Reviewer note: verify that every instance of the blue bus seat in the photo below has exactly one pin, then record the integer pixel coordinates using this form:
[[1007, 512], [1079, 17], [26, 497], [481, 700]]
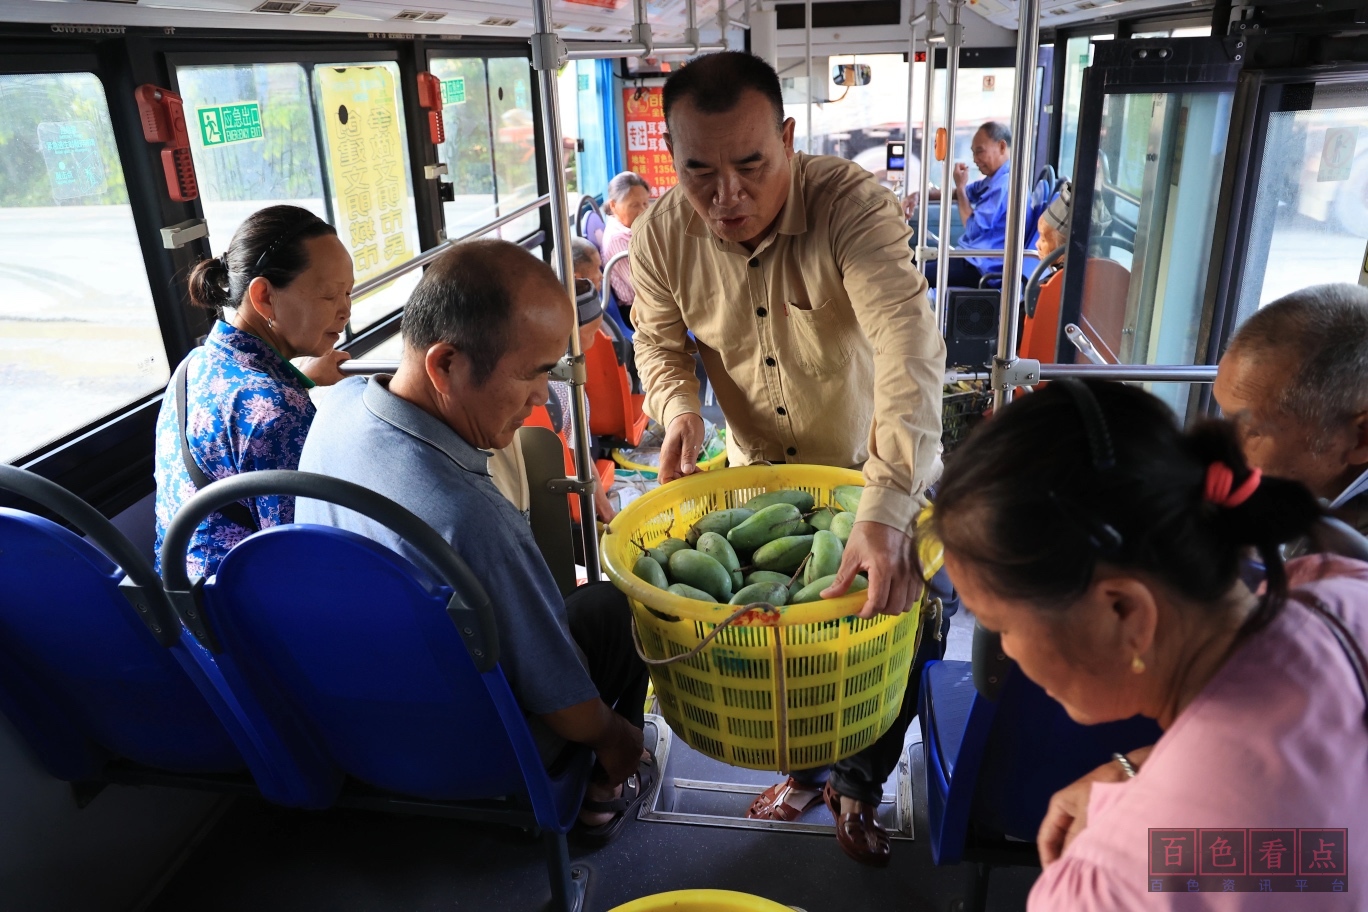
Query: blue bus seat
[[614, 312], [366, 666], [85, 676], [997, 749], [591, 227]]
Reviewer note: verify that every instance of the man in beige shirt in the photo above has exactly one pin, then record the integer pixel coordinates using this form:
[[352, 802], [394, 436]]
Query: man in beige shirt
[[794, 275]]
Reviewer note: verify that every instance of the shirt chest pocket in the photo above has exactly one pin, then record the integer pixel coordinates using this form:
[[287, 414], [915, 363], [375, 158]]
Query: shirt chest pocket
[[823, 338]]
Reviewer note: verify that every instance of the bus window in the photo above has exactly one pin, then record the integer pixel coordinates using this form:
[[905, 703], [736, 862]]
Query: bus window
[[1310, 221], [985, 93], [1077, 58], [79, 337], [515, 141], [271, 159], [591, 164]]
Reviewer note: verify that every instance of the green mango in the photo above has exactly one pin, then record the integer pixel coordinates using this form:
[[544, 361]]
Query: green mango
[[841, 526], [804, 529], [848, 497], [812, 592], [783, 553], [694, 568], [689, 592], [738, 581], [719, 521], [826, 557], [661, 552], [649, 571], [770, 593], [765, 526], [822, 518], [800, 499], [767, 576], [719, 549]]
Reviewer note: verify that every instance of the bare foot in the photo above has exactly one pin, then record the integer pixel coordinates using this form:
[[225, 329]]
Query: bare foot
[[798, 799]]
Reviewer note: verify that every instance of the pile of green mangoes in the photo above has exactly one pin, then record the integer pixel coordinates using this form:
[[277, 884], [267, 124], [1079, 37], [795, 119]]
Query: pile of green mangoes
[[778, 548]]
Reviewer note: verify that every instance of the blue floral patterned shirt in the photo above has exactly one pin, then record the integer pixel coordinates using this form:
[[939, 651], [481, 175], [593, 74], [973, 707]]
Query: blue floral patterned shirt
[[247, 409]]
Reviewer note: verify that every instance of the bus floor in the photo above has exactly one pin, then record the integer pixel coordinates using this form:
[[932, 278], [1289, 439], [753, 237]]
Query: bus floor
[[266, 858]]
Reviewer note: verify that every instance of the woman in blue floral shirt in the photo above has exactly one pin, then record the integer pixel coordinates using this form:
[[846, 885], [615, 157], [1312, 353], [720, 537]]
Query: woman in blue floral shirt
[[288, 280]]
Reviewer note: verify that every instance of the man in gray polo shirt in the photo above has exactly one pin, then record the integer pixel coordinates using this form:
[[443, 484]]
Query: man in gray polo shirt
[[482, 330]]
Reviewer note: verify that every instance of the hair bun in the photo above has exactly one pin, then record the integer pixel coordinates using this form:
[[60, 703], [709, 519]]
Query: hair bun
[[208, 284]]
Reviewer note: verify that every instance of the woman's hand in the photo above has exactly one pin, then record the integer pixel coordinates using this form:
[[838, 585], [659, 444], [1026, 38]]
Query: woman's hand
[[323, 370], [1067, 815]]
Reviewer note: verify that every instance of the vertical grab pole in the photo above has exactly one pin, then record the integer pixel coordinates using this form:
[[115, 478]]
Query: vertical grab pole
[[932, 12], [807, 44], [548, 55], [1023, 128], [953, 36]]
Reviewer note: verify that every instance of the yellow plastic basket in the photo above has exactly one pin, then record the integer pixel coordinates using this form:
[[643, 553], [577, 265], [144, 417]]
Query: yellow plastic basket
[[708, 465], [841, 679], [702, 901]]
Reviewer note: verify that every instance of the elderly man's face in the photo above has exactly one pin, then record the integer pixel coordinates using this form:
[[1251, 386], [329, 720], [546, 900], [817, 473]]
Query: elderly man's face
[[988, 155], [733, 166], [591, 270], [1247, 389], [542, 320]]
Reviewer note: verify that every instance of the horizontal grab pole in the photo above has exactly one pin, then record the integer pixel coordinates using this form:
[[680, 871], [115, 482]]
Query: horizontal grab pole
[[608, 50], [428, 256], [1149, 373], [365, 367]]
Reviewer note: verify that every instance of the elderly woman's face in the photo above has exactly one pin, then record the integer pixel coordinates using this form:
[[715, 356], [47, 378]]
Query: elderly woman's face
[[1080, 655]]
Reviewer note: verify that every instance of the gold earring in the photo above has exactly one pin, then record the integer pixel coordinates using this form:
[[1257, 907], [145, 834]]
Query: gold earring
[[1138, 664]]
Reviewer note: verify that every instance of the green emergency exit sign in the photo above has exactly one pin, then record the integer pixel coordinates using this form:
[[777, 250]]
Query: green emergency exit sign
[[231, 123], [453, 91], [584, 82]]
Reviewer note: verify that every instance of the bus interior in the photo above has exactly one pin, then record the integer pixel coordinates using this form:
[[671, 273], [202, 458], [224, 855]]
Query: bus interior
[[1225, 143]]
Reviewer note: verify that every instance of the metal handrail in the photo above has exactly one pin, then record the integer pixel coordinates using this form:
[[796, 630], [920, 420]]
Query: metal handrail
[[1146, 373], [607, 274], [364, 367], [427, 256]]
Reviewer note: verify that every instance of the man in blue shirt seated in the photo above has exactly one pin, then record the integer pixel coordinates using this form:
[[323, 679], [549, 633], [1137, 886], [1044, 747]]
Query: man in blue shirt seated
[[482, 330], [982, 206]]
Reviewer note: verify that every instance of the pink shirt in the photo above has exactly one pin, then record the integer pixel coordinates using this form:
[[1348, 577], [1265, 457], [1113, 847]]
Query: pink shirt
[[616, 239], [1276, 739]]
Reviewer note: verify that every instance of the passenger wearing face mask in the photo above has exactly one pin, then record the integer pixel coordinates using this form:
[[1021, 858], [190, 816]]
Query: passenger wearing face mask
[[237, 404]]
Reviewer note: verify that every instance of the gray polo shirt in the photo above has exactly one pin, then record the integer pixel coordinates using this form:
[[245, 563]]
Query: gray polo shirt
[[365, 434]]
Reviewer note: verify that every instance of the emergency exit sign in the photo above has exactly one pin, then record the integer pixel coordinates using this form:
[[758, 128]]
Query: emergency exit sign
[[453, 91], [231, 123], [583, 82]]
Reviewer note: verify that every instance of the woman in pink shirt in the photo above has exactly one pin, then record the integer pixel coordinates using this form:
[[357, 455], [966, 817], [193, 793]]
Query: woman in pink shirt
[[628, 196], [1104, 544]]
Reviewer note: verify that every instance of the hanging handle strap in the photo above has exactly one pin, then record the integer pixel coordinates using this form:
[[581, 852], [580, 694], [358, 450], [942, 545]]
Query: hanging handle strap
[[236, 513]]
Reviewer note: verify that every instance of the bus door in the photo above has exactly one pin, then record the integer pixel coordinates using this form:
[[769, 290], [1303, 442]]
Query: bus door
[[1150, 154]]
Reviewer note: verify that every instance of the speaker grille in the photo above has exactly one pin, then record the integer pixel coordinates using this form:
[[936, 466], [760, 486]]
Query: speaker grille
[[976, 317]]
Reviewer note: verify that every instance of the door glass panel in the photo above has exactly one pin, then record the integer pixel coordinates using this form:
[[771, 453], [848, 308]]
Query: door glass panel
[[78, 333], [1078, 54], [592, 164], [243, 170], [467, 152], [366, 150], [1159, 172], [1310, 221], [515, 141]]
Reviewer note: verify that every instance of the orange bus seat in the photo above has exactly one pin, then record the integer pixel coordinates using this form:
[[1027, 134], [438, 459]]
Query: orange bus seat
[[606, 468], [1103, 313], [614, 410]]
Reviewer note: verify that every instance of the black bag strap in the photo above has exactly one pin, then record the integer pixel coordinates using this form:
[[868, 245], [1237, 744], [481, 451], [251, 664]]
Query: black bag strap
[[236, 513], [1353, 649]]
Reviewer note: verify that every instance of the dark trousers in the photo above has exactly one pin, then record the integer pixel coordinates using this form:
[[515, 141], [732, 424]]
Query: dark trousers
[[963, 274], [601, 624], [862, 776]]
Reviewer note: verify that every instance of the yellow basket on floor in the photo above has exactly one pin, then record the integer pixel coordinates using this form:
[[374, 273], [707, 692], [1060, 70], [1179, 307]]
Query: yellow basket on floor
[[840, 680], [702, 901]]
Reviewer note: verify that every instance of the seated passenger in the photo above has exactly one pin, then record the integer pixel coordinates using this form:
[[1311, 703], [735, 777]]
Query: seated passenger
[[588, 263], [982, 207], [589, 309], [1295, 382], [627, 198], [288, 280], [481, 331], [1126, 599]]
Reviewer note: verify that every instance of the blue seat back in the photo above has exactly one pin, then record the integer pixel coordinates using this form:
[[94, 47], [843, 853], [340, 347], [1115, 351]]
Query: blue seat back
[[81, 676], [350, 655], [591, 228], [615, 313]]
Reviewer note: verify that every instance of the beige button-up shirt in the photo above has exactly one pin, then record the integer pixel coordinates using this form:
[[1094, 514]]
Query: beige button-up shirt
[[820, 345]]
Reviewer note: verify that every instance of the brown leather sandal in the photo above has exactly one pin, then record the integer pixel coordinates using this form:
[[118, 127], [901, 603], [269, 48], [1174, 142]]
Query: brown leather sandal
[[860, 834], [771, 803]]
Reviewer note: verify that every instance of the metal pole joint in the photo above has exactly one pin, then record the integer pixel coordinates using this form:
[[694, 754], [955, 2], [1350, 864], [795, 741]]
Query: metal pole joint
[[1014, 372], [641, 34], [548, 51]]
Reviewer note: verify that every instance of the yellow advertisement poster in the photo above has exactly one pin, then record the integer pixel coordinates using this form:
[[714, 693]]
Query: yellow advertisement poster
[[366, 151]]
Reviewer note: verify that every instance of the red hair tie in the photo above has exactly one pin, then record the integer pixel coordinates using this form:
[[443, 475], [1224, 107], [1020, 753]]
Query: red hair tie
[[1220, 479]]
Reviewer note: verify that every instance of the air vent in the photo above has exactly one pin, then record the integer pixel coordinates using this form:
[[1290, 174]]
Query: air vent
[[431, 17], [496, 22], [277, 6], [409, 15], [316, 9]]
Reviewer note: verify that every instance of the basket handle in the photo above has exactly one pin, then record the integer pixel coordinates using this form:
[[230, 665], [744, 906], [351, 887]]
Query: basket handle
[[702, 644]]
